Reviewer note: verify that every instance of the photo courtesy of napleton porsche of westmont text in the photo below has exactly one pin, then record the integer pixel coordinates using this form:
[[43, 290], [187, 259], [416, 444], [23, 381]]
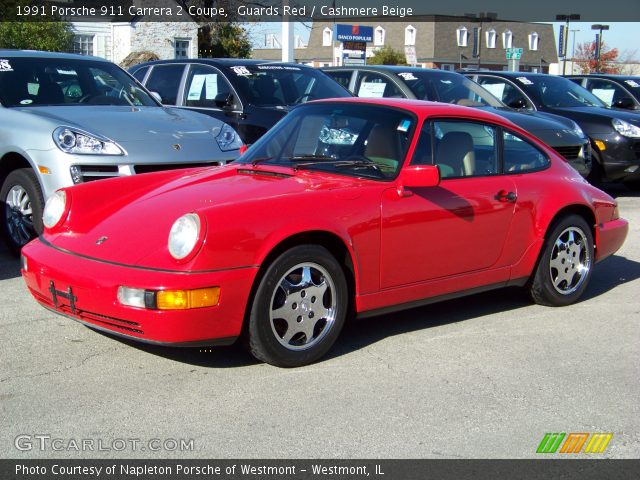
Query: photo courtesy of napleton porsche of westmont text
[[311, 239]]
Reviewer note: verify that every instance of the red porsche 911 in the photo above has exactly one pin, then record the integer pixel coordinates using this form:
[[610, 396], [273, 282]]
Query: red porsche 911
[[353, 206]]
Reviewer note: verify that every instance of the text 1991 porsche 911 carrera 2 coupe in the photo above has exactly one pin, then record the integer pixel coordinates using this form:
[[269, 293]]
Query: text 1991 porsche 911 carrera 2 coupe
[[353, 206]]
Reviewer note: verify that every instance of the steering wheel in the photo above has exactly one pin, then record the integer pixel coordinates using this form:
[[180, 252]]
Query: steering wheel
[[303, 96]]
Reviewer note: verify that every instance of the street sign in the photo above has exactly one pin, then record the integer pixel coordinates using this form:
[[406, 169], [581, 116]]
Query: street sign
[[514, 53], [561, 43], [410, 54]]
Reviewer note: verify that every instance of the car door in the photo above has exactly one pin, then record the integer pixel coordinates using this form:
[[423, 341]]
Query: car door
[[506, 91], [457, 227], [376, 85], [612, 94], [165, 80]]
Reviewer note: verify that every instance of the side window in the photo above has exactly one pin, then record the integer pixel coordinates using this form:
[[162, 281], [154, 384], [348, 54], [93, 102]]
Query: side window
[[607, 91], [165, 80], [423, 154], [374, 85], [342, 77], [505, 91], [140, 73], [465, 149], [204, 86], [520, 156]]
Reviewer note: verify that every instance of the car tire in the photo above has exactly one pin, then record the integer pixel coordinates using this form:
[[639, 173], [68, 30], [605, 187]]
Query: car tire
[[299, 307], [632, 185], [596, 176], [565, 264], [23, 204]]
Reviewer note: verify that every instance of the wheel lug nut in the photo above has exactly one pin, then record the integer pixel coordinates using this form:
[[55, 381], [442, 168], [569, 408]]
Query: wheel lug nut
[[294, 305], [299, 319], [313, 299], [311, 315], [303, 294]]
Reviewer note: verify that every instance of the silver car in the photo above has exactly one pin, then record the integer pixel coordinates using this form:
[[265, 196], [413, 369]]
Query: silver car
[[67, 119]]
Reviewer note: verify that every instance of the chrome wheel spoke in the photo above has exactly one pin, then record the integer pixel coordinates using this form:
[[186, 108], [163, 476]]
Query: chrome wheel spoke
[[570, 261]]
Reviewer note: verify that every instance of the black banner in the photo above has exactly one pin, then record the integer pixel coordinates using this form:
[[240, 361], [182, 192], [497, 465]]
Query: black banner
[[310, 10], [315, 469]]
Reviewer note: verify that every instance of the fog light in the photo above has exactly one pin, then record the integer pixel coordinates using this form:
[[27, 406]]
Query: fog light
[[601, 145], [23, 263], [631, 169], [184, 299], [132, 297]]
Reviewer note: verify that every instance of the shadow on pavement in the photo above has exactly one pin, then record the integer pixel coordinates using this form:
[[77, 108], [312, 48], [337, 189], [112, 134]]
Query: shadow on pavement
[[9, 265]]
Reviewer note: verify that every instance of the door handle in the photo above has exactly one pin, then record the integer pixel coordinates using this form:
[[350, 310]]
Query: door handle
[[504, 196]]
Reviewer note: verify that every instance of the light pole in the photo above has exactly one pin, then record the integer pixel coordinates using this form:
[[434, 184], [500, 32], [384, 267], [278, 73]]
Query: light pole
[[600, 27], [573, 49], [566, 18]]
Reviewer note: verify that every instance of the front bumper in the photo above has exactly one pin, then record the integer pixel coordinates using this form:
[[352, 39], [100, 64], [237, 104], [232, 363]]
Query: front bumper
[[609, 237], [86, 290], [620, 157]]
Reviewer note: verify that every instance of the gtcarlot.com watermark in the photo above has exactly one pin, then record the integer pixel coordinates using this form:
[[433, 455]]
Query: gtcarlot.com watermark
[[44, 443]]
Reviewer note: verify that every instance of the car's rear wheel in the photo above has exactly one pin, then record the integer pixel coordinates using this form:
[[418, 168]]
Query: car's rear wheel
[[299, 307], [565, 264], [23, 204]]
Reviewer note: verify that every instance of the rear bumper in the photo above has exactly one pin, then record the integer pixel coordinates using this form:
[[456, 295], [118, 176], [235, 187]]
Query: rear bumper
[[94, 284], [609, 237]]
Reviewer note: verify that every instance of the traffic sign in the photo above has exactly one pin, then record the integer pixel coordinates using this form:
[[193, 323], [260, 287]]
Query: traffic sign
[[514, 53]]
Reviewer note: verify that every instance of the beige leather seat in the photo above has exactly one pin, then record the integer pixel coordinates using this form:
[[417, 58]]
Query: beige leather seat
[[455, 155]]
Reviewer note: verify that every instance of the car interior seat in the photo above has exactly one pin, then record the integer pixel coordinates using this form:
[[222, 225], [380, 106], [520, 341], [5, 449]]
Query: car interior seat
[[455, 155], [264, 89], [383, 147], [49, 93]]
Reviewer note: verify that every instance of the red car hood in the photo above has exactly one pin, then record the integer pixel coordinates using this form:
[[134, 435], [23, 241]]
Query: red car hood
[[136, 213]]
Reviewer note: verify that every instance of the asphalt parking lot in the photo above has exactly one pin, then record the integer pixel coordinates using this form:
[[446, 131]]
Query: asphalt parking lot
[[483, 377]]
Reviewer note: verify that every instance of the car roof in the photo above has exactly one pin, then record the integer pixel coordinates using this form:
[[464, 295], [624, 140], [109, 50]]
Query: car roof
[[390, 68], [40, 54], [224, 62], [422, 107], [613, 76]]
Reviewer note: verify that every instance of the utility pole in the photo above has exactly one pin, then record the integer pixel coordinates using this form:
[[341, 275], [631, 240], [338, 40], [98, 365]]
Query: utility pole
[[566, 18]]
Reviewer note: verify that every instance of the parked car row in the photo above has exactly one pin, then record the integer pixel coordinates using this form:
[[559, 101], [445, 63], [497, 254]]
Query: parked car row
[[486, 196], [70, 119]]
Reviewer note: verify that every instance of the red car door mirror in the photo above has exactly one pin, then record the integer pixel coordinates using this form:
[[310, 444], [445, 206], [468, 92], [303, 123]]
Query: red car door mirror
[[420, 176]]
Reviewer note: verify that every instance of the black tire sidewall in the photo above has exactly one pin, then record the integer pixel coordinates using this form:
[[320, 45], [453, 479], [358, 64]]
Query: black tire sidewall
[[262, 342], [26, 178], [542, 280]]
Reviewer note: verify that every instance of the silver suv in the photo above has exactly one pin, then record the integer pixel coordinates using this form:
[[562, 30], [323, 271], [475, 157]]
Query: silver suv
[[67, 119]]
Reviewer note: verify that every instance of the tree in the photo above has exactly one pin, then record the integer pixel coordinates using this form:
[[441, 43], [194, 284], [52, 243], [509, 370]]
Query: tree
[[586, 61], [224, 40], [48, 36], [387, 56]]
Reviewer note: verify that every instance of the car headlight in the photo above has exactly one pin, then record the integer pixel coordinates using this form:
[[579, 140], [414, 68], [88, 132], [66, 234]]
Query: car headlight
[[184, 236], [625, 128], [577, 130], [228, 139], [54, 209], [76, 141]]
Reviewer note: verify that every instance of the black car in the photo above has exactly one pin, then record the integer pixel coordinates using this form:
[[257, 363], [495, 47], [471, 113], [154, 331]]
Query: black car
[[249, 95], [616, 91], [614, 134], [560, 133]]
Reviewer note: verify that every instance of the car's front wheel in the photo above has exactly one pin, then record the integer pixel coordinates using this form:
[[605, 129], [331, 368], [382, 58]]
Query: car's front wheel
[[299, 307], [22, 213], [565, 264]]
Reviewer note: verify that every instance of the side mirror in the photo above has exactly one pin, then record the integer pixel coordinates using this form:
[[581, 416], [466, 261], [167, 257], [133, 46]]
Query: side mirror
[[625, 103], [157, 96], [223, 100], [420, 176], [518, 103]]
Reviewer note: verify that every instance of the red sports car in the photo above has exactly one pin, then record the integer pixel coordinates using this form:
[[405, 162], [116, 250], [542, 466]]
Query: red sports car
[[355, 206]]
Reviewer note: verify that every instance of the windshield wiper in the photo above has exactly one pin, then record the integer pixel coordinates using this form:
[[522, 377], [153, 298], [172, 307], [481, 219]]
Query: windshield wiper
[[256, 161], [346, 162]]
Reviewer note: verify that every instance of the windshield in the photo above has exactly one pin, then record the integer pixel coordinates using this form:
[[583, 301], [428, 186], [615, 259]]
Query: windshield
[[448, 88], [350, 139], [283, 85], [52, 81], [559, 91]]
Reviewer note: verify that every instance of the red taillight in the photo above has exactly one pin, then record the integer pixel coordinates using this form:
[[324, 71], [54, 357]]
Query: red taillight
[[243, 149]]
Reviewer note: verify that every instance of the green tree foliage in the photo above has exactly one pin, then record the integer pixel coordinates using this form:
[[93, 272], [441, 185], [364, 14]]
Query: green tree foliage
[[224, 40], [387, 56], [48, 36]]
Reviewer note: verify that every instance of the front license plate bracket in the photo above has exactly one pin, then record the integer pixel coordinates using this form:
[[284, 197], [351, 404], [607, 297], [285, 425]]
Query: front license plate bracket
[[62, 294]]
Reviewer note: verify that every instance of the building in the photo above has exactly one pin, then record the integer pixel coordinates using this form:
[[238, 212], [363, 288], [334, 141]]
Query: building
[[439, 42], [116, 39]]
